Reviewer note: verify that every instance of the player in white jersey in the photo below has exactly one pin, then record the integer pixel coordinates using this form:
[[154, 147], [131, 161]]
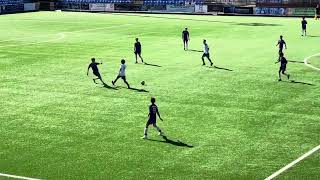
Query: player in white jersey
[[206, 53], [122, 73]]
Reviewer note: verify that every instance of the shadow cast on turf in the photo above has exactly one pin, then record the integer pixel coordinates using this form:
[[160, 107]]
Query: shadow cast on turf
[[221, 68], [298, 82], [193, 50], [138, 90], [169, 141], [109, 87], [296, 61], [155, 65]]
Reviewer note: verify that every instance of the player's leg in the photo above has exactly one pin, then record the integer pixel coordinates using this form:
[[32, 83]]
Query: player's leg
[[279, 74], [208, 57], [284, 72], [136, 57], [145, 132], [203, 63], [125, 81], [101, 80], [140, 57], [158, 129], [186, 44], [113, 82]]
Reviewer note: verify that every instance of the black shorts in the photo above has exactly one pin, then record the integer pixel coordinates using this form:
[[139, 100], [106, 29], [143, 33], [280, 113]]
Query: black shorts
[[281, 50], [122, 77], [138, 52], [283, 68], [185, 40], [206, 55], [151, 121], [304, 28], [97, 74]]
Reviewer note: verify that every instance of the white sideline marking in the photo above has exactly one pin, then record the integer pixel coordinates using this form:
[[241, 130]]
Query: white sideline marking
[[309, 65], [17, 177], [293, 163]]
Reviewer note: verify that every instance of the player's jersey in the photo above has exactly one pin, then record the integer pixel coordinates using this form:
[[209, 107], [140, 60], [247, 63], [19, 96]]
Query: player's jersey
[[281, 43], [283, 61], [122, 70], [137, 45], [153, 109], [185, 35], [94, 67], [206, 49], [304, 24]]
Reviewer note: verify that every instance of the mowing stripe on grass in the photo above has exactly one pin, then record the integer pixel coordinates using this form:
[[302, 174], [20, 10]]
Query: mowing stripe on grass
[[309, 65], [293, 163], [17, 177], [61, 36]]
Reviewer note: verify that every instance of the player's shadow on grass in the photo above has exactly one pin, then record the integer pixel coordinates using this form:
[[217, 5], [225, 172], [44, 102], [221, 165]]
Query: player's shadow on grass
[[299, 82], [257, 24], [221, 68], [292, 61], [138, 90], [169, 141], [155, 65], [312, 36], [109, 87], [193, 50]]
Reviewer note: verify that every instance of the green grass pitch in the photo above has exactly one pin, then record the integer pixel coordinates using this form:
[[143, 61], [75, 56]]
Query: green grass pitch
[[242, 123]]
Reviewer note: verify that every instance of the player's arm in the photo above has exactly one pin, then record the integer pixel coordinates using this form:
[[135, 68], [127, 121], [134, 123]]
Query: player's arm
[[285, 44], [159, 115], [88, 69], [182, 35], [188, 36]]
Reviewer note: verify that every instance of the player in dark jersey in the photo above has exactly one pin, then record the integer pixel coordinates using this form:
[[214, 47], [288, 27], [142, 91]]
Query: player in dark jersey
[[94, 66], [153, 112], [281, 44], [283, 66], [137, 50], [185, 38], [317, 12], [304, 26]]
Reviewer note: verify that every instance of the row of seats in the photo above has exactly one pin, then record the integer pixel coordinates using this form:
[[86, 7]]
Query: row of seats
[[145, 2], [97, 1], [171, 2], [10, 2]]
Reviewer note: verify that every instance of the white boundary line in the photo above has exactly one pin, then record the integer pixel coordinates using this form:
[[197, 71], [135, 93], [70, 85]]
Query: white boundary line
[[309, 65], [17, 177], [293, 163]]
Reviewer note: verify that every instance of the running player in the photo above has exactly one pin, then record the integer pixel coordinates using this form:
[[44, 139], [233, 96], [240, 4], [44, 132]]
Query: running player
[[94, 66], [283, 66], [185, 38], [137, 50], [206, 53], [153, 112], [304, 26], [122, 73]]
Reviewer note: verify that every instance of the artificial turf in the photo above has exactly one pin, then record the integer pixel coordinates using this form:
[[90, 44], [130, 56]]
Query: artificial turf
[[242, 123]]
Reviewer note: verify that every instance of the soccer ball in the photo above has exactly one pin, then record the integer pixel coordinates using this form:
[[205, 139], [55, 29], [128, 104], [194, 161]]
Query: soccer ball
[[143, 83]]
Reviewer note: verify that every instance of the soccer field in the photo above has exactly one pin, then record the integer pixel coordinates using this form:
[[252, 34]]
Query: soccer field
[[235, 121]]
